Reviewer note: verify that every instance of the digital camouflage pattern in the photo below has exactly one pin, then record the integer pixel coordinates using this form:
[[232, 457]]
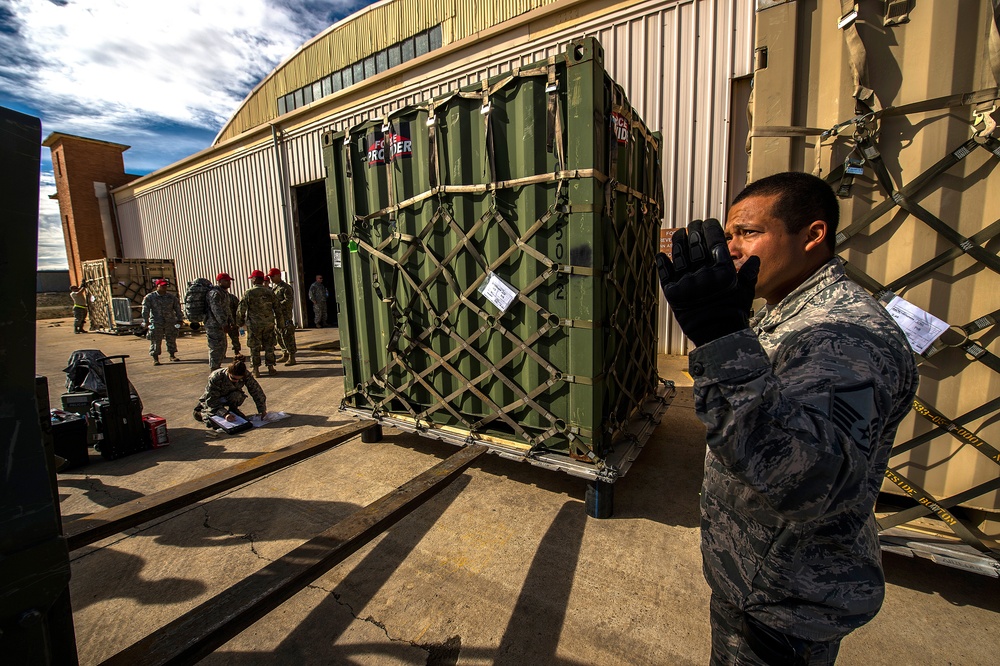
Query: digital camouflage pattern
[[159, 314], [285, 327], [258, 311], [318, 294], [801, 412], [222, 393], [234, 333], [218, 321]]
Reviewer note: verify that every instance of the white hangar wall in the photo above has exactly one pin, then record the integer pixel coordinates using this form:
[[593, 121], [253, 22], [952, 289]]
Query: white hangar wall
[[676, 59]]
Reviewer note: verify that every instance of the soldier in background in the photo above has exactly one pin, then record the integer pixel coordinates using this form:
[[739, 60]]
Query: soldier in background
[[162, 316], [219, 320], [234, 332], [801, 404], [318, 293], [79, 296], [258, 311], [285, 329]]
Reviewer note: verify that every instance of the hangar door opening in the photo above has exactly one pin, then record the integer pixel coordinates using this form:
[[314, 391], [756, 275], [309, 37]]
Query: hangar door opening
[[312, 227]]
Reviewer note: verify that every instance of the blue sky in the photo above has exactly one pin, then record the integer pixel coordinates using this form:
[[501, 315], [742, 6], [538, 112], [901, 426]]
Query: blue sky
[[161, 76]]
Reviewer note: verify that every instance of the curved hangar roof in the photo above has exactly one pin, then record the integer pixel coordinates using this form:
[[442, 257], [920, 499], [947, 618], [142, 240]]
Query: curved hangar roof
[[370, 41]]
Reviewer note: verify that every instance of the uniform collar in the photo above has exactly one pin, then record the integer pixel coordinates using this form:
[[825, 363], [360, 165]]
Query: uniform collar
[[769, 317]]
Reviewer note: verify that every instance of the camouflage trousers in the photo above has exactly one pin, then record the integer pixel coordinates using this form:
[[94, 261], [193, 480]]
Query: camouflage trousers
[[156, 336], [738, 640], [232, 400], [286, 336], [319, 313], [261, 338], [216, 345], [234, 336], [79, 318]]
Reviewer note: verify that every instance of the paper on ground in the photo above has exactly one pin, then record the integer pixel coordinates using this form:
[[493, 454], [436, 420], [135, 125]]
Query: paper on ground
[[269, 417]]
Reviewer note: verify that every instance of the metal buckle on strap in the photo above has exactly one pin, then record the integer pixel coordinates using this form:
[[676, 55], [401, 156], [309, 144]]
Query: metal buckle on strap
[[847, 20]]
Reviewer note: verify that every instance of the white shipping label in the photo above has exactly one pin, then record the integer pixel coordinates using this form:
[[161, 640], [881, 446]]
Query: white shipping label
[[498, 292], [921, 328], [337, 262]]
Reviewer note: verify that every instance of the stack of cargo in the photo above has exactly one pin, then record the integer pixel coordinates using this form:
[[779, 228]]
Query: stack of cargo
[[116, 287], [494, 266]]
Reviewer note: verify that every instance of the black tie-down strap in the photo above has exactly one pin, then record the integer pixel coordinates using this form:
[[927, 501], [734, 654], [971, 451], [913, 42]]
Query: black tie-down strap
[[927, 503], [420, 355]]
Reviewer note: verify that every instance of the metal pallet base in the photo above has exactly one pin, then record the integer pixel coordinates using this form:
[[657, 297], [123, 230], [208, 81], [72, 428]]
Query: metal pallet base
[[902, 541], [625, 450]]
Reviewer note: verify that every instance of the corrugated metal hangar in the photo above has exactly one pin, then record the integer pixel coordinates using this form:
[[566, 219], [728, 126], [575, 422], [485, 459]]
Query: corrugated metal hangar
[[258, 193]]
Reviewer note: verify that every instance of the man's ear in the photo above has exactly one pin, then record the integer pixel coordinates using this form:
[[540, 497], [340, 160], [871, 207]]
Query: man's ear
[[816, 235]]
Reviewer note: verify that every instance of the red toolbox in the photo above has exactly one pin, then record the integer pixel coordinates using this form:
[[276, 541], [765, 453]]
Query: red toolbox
[[155, 428]]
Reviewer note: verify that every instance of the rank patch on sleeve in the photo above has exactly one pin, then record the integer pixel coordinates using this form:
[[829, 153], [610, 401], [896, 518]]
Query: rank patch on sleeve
[[854, 414]]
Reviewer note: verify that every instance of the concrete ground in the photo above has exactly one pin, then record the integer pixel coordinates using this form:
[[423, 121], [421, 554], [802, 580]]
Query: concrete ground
[[501, 567]]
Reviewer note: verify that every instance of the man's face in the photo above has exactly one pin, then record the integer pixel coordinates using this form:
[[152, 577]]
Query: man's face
[[752, 231], [225, 284], [161, 289], [319, 278]]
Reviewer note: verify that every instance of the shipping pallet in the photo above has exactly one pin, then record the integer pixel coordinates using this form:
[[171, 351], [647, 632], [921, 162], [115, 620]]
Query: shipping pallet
[[922, 538], [601, 476]]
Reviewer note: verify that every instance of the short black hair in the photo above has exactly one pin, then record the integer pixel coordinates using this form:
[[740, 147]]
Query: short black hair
[[802, 199]]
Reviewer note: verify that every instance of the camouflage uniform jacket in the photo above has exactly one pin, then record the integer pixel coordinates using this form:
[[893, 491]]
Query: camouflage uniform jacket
[[258, 308], [161, 311], [318, 293], [801, 413], [286, 299], [220, 385], [219, 311]]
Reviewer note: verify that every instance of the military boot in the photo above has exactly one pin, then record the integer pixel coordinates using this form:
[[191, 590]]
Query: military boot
[[256, 371], [284, 357], [156, 360], [174, 358], [271, 370], [291, 359]]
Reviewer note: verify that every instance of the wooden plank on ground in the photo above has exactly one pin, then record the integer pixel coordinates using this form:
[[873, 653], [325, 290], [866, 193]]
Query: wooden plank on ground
[[97, 526], [197, 633]]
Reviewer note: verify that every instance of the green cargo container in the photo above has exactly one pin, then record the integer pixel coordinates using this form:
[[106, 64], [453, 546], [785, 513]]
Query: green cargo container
[[494, 266]]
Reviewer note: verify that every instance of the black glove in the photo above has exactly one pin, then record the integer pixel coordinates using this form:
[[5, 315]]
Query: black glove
[[709, 297]]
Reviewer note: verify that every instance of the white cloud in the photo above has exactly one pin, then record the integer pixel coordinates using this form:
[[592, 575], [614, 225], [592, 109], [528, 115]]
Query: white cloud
[[51, 247], [98, 65], [160, 75]]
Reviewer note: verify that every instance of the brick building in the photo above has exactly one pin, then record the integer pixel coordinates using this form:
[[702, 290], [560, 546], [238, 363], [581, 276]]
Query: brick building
[[86, 170]]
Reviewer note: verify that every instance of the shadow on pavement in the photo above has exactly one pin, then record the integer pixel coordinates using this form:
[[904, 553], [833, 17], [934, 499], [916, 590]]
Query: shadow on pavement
[[960, 588], [314, 640], [533, 631], [128, 583]]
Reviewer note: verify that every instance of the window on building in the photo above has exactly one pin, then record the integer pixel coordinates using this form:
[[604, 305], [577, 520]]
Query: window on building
[[386, 59], [421, 44]]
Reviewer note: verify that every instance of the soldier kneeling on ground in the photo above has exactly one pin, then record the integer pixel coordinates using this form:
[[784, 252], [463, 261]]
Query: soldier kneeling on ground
[[224, 394]]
